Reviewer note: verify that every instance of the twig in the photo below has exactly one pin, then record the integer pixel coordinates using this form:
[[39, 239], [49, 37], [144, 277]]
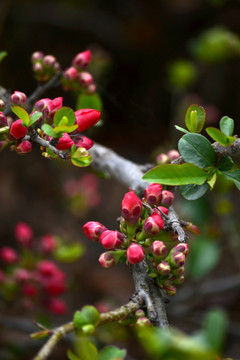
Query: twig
[[173, 222]]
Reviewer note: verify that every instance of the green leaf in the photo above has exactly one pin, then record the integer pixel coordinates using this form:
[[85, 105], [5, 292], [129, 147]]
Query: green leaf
[[22, 114], [86, 350], [89, 101], [64, 129], [35, 117], [64, 112], [3, 54], [51, 153], [215, 326], [196, 149], [211, 182], [81, 157], [112, 353], [219, 136], [88, 315], [226, 163], [181, 129], [71, 355], [69, 252], [232, 175], [48, 130], [4, 130], [227, 125], [193, 192], [173, 174], [203, 257], [195, 118]]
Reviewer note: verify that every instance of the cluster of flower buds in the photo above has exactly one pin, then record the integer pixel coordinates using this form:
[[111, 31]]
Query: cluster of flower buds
[[168, 157], [76, 77], [29, 275], [44, 66]]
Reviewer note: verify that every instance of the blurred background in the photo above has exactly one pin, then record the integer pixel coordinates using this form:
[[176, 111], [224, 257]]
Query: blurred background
[[151, 60]]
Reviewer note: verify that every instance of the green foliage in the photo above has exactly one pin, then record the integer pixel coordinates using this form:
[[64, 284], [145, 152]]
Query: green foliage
[[112, 353], [227, 125], [193, 191], [89, 101], [64, 116], [195, 118], [182, 73], [48, 130], [86, 351], [232, 175], [3, 54], [220, 137], [69, 252], [87, 315], [80, 157], [214, 327], [226, 163], [22, 114], [34, 118]]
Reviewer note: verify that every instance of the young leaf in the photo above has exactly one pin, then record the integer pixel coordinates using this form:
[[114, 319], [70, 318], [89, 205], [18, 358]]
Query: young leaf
[[232, 175], [35, 117], [112, 353], [193, 192], [64, 129], [173, 174], [196, 149], [81, 157], [219, 136], [227, 125], [179, 128], [48, 130], [64, 112], [211, 182], [22, 114], [226, 163], [195, 118], [91, 101], [72, 356], [69, 252]]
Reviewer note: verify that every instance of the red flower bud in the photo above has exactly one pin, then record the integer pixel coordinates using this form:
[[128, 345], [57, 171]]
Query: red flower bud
[[82, 59], [135, 253], [153, 224], [49, 60], [93, 230], [173, 154], [41, 104], [37, 68], [193, 228], [158, 249], [163, 209], [111, 239], [131, 207], [107, 260], [37, 55], [167, 198], [56, 306], [153, 194], [54, 286], [8, 255], [2, 104], [3, 119], [65, 142], [23, 234], [47, 268], [162, 159], [177, 259], [52, 107], [29, 290], [164, 268], [171, 290], [178, 271], [48, 244], [85, 78], [86, 118], [18, 98], [70, 73], [17, 130], [182, 247], [24, 147], [83, 141]]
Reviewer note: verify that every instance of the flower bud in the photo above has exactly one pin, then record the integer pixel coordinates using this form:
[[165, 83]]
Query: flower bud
[[18, 98], [164, 268], [37, 55], [82, 59], [153, 194], [173, 154], [162, 208], [143, 321], [171, 290], [83, 141], [49, 60], [179, 280], [85, 118], [181, 247], [24, 147], [107, 260], [177, 259], [41, 104], [37, 68], [2, 105], [8, 255], [22, 274], [70, 73], [167, 198], [29, 290], [131, 207], [111, 239], [85, 78], [158, 249], [56, 306], [193, 228], [3, 119], [52, 107], [162, 159], [47, 244], [139, 313], [178, 271], [91, 88], [47, 268], [93, 230], [17, 130], [153, 224], [135, 254], [23, 234], [65, 142]]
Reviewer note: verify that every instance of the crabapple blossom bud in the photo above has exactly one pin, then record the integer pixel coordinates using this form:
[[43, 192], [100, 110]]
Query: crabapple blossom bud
[[3, 119], [85, 118], [162, 208], [111, 239], [167, 198], [158, 249], [2, 104], [177, 259], [83, 141], [178, 271], [49, 60], [46, 268], [143, 321], [164, 268], [182, 247], [82, 59], [17, 130], [173, 154], [171, 290], [41, 104], [29, 290], [54, 286], [52, 107], [65, 142], [22, 274], [193, 228], [91, 89], [153, 194], [47, 244], [8, 255], [93, 230], [153, 224], [139, 313], [107, 260], [135, 254], [37, 68], [37, 55], [56, 306], [70, 73], [23, 234], [162, 159], [57, 66], [131, 207], [179, 280], [24, 147], [85, 78], [18, 98]]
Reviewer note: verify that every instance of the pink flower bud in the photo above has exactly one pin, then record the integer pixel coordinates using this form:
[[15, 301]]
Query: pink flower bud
[[18, 98], [164, 268], [37, 68], [57, 66], [153, 224], [65, 142], [47, 244], [158, 249], [70, 73], [193, 228], [56, 306], [85, 78], [83, 141], [52, 107], [86, 118], [178, 271], [8, 255], [142, 322], [3, 119], [17, 130], [162, 159], [177, 259], [131, 207], [37, 55], [167, 198], [23, 234], [107, 260], [29, 290], [171, 290], [111, 239], [24, 147], [2, 104], [54, 286], [135, 254], [93, 230], [47, 268], [162, 208], [49, 60], [153, 194], [139, 313], [181, 247], [22, 275], [91, 89], [41, 104], [82, 59], [173, 154]]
